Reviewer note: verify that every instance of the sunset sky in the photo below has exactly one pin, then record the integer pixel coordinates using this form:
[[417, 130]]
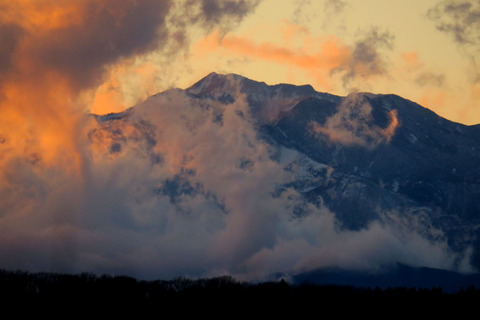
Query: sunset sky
[[106, 58], [425, 51], [68, 203]]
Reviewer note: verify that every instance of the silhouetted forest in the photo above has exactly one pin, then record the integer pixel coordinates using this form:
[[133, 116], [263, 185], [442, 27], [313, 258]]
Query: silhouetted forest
[[190, 296]]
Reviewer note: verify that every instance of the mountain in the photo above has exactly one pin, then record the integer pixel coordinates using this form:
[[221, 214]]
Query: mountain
[[393, 277], [375, 163]]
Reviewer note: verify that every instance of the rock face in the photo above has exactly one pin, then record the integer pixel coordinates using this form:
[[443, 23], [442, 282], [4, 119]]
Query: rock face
[[365, 157]]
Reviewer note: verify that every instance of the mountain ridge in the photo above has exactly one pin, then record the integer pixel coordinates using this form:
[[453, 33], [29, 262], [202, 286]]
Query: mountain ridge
[[369, 159], [307, 89]]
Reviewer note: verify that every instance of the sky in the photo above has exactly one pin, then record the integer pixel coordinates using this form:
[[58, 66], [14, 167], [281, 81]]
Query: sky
[[425, 51], [69, 203]]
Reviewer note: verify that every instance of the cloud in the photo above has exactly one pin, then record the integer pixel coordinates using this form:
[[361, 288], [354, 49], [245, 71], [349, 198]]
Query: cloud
[[330, 14], [109, 31], [100, 33], [323, 59], [175, 187], [56, 50], [53, 54], [10, 35], [328, 53], [353, 124], [411, 60], [221, 12], [204, 15], [56, 56], [430, 78], [369, 249], [335, 6], [461, 20], [182, 187], [305, 11], [414, 67], [366, 59], [80, 39], [302, 11]]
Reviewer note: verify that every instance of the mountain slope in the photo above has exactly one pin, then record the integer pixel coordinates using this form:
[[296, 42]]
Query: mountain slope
[[429, 163], [395, 276], [377, 164]]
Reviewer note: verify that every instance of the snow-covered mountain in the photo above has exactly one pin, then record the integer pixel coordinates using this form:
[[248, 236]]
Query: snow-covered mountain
[[254, 179]]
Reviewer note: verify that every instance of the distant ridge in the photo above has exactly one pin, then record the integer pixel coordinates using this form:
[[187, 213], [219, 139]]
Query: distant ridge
[[398, 275]]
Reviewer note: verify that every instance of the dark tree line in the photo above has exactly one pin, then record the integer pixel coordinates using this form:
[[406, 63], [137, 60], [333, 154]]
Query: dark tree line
[[50, 290]]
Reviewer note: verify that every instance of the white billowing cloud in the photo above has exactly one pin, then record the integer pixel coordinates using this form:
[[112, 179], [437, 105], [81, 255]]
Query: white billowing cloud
[[221, 214], [314, 242]]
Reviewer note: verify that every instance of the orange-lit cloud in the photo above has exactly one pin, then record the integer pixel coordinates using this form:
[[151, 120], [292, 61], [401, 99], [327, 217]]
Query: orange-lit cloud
[[475, 92], [460, 108], [353, 124], [290, 31], [43, 14], [54, 51], [411, 60], [327, 60], [419, 73], [55, 56], [433, 89], [433, 98], [389, 131], [327, 53]]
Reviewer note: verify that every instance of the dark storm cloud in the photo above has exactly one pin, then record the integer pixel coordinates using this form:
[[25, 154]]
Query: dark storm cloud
[[367, 58], [111, 30], [10, 35]]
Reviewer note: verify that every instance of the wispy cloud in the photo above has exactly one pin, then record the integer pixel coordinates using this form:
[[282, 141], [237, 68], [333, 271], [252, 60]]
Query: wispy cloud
[[461, 20], [322, 58], [430, 78], [335, 6], [330, 53], [366, 59]]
